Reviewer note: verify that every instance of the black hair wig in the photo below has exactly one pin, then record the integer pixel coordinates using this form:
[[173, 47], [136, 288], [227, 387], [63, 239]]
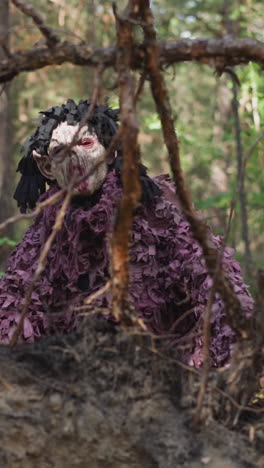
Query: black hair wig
[[103, 121]]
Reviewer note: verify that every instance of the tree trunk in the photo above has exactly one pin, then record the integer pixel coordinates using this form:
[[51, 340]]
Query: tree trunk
[[6, 167], [90, 36], [5, 126]]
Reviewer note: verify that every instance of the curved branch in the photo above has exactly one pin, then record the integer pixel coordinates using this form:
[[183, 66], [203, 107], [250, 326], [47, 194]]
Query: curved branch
[[47, 31], [235, 316], [218, 53]]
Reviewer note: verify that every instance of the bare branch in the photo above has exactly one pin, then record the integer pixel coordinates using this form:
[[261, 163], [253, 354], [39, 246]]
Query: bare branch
[[252, 148], [217, 53], [206, 352], [42, 262], [130, 172], [87, 116], [28, 9], [140, 87], [241, 178], [40, 206], [207, 319], [235, 316]]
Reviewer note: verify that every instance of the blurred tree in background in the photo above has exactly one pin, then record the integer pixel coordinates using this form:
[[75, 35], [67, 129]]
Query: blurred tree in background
[[5, 122], [201, 98]]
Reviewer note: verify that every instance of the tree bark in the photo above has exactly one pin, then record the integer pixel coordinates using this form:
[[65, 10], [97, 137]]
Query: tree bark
[[241, 182], [91, 41], [213, 52], [6, 176]]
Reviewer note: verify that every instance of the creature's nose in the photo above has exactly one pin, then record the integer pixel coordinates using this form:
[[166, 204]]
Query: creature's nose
[[60, 152]]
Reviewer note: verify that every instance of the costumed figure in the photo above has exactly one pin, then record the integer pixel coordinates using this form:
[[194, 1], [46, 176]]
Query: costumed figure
[[169, 284]]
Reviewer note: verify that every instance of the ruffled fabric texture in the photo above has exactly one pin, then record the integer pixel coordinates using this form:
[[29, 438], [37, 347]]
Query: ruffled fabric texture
[[169, 282]]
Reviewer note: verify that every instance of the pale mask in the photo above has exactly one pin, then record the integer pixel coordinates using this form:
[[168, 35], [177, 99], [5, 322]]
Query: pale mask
[[64, 162]]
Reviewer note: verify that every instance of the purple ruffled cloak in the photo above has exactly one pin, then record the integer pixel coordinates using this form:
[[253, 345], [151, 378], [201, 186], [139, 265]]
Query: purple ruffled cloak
[[169, 282]]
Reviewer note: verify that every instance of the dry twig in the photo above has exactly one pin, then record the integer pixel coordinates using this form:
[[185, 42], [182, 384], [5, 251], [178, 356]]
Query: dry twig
[[130, 172], [252, 148], [140, 87], [241, 367], [206, 354], [97, 294], [28, 9], [40, 206], [207, 320], [235, 316], [241, 178], [42, 262], [66, 151]]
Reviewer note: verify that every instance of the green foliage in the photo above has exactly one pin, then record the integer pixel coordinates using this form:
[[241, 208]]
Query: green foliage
[[220, 200], [201, 101], [7, 241]]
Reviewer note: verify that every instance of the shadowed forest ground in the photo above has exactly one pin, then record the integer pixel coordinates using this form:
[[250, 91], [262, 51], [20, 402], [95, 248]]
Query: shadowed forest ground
[[104, 399]]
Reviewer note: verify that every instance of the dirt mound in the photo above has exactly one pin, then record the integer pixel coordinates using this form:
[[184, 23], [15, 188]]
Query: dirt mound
[[105, 399]]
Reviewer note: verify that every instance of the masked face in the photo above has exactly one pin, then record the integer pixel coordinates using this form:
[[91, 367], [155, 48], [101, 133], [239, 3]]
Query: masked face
[[65, 161]]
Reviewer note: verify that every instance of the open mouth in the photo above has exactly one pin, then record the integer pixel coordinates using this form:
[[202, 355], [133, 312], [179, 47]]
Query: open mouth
[[78, 171]]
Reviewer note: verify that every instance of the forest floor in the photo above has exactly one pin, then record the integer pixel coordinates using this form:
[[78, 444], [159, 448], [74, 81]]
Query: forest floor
[[105, 399]]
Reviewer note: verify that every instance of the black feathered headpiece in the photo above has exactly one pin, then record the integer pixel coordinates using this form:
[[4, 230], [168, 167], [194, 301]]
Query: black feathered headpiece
[[103, 122], [32, 183]]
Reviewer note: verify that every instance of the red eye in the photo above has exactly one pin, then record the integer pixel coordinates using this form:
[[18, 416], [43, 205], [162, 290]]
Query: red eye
[[87, 142]]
